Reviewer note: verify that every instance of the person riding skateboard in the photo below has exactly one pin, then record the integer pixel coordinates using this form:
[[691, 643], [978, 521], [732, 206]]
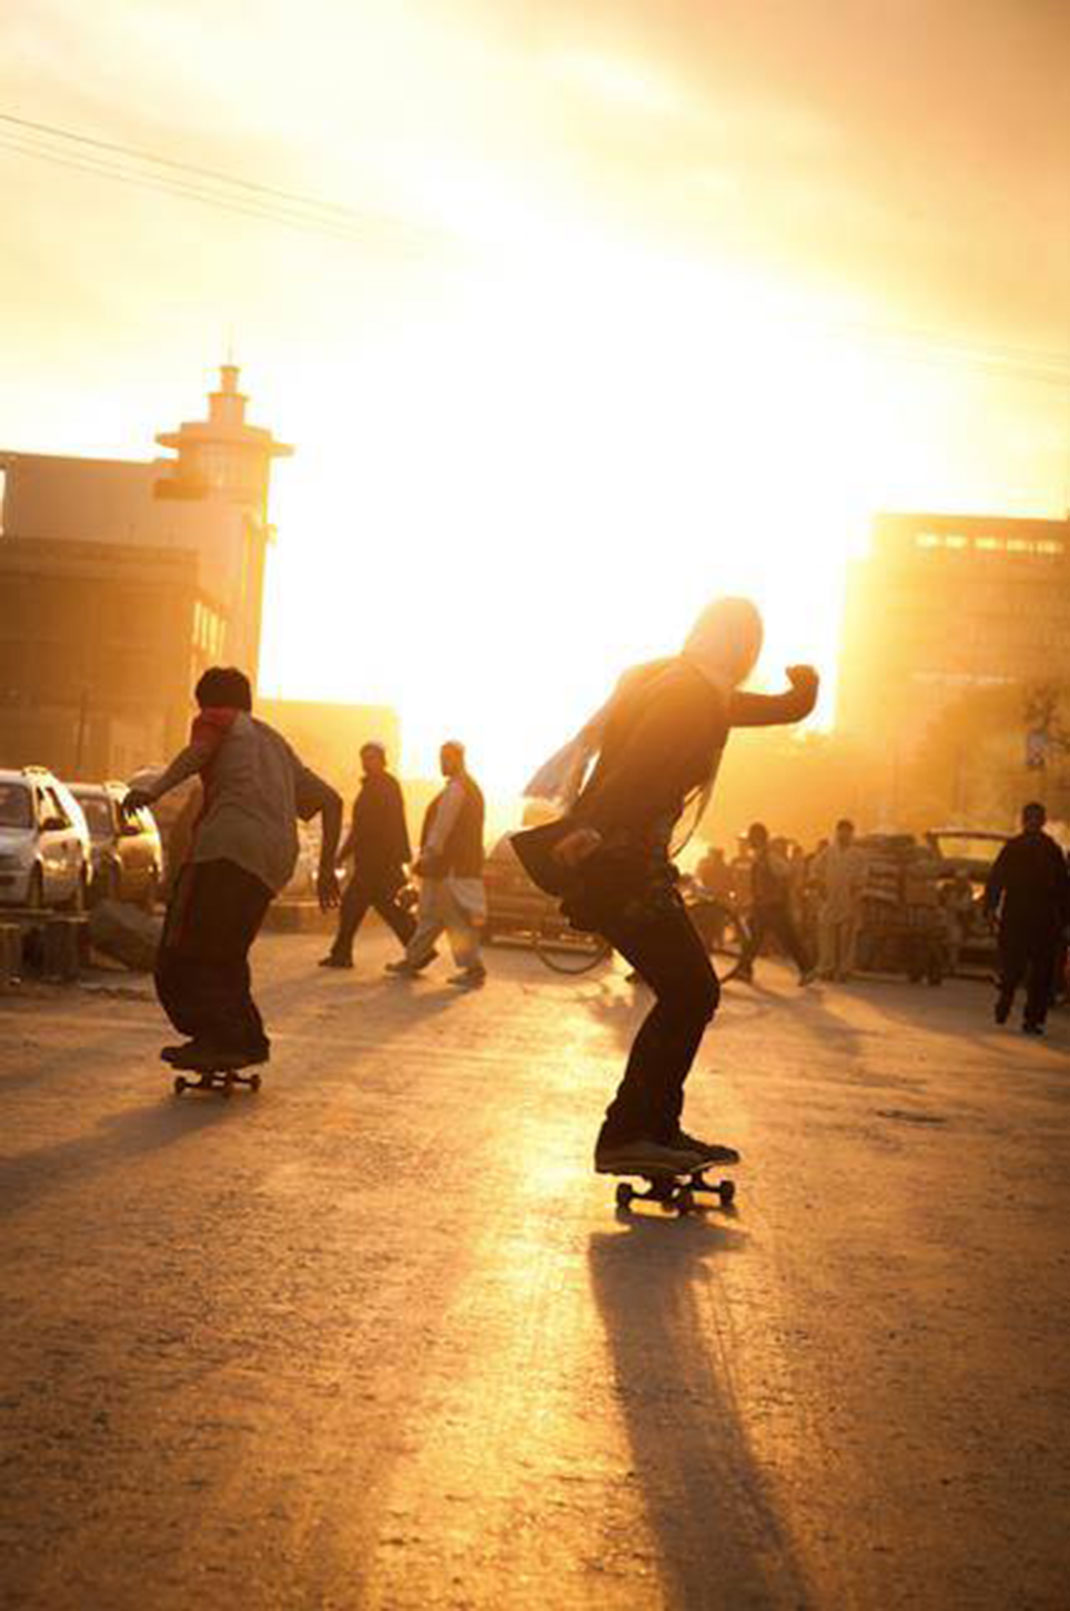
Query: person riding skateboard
[[243, 851], [659, 742]]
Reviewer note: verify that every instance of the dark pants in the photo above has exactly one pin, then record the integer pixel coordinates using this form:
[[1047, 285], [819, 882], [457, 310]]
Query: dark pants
[[777, 921], [202, 971], [662, 946], [362, 893], [1027, 954]]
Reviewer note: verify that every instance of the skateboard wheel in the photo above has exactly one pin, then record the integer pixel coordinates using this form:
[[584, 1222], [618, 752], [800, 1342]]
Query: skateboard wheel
[[180, 1084], [726, 1191], [624, 1195], [254, 1082], [685, 1200], [227, 1085]]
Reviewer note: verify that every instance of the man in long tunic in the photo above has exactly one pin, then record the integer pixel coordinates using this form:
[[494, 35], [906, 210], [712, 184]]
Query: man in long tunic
[[450, 866]]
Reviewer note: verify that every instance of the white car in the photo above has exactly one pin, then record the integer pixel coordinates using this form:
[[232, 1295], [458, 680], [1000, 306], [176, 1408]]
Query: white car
[[45, 853]]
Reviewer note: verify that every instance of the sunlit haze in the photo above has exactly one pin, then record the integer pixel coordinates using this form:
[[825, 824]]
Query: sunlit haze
[[640, 312]]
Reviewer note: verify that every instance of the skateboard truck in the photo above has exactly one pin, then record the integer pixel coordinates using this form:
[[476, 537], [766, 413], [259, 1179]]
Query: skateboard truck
[[216, 1079], [675, 1191]]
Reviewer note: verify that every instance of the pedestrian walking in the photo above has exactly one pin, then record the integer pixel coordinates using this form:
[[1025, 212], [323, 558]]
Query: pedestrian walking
[[450, 867], [378, 842], [840, 874], [658, 743], [771, 912], [1029, 889], [243, 851]]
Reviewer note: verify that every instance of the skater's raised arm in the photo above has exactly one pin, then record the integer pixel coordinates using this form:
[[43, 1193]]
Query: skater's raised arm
[[774, 710]]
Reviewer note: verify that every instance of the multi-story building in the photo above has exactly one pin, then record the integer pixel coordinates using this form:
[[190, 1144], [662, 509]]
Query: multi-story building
[[120, 580], [943, 605]]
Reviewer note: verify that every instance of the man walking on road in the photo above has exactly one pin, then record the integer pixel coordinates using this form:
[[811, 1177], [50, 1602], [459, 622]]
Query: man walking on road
[[1029, 888], [770, 909], [450, 865], [378, 841], [840, 873], [243, 852], [659, 742]]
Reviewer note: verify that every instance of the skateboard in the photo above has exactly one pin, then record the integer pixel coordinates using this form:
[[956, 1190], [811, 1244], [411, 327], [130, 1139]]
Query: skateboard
[[675, 1191], [217, 1079]]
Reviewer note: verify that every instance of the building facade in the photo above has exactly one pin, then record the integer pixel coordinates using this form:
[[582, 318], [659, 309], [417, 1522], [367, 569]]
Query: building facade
[[120, 581], [942, 606]]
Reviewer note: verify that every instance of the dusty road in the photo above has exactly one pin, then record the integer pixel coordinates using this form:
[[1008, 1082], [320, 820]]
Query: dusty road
[[376, 1337]]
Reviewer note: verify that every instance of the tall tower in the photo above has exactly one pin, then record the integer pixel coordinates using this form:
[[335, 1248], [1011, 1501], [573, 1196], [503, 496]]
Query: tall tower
[[227, 463]]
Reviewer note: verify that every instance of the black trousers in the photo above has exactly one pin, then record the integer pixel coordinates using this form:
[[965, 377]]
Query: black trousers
[[777, 921], [662, 946], [363, 892], [1027, 955], [202, 970]]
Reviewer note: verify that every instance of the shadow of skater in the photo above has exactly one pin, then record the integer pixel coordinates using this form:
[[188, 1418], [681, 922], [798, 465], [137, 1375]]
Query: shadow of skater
[[721, 1546]]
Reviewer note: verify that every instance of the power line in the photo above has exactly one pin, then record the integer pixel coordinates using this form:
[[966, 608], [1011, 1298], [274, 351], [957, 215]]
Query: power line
[[133, 166], [227, 192]]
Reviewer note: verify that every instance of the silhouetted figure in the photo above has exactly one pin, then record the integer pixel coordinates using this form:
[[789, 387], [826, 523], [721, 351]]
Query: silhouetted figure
[[450, 865], [1030, 889], [659, 741], [243, 851], [840, 874], [378, 841], [771, 913]]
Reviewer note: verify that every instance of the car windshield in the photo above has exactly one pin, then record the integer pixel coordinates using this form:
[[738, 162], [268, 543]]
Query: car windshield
[[97, 815], [16, 806], [967, 847]]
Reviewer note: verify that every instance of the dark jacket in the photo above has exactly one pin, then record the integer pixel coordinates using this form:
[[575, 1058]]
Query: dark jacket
[[379, 836], [1029, 884], [462, 853]]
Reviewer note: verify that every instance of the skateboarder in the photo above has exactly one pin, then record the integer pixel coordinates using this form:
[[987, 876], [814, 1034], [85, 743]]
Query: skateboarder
[[1030, 890], [243, 852], [378, 841], [659, 742]]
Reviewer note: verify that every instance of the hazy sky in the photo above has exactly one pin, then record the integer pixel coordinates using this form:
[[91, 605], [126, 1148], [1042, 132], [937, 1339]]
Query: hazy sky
[[627, 318]]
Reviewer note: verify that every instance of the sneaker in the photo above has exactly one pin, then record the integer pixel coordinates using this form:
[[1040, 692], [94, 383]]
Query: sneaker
[[199, 1057], [643, 1157], [469, 978], [1002, 1010], [711, 1151], [335, 962], [171, 1054], [1029, 1028]]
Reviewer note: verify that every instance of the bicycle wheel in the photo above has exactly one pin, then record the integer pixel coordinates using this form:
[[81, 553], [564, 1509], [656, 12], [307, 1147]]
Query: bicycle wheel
[[565, 950], [723, 931]]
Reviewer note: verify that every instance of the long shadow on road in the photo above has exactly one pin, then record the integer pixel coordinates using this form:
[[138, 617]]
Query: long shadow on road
[[125, 1135], [721, 1544]]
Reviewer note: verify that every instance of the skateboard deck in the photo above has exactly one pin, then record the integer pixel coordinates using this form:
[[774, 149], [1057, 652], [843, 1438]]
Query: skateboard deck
[[218, 1079], [674, 1191]]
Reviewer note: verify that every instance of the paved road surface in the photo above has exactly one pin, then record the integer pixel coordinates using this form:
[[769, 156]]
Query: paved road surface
[[376, 1337]]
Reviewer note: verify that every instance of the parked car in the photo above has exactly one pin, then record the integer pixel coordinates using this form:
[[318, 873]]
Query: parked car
[[126, 853], [44, 842]]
